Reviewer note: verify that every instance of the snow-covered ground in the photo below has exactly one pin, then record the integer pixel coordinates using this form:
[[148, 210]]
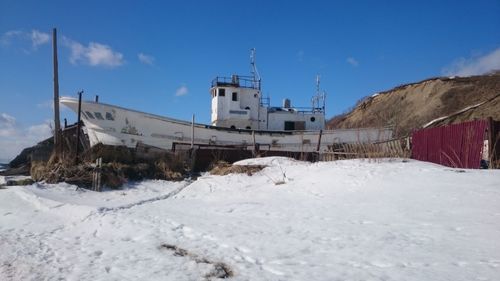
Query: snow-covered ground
[[344, 220]]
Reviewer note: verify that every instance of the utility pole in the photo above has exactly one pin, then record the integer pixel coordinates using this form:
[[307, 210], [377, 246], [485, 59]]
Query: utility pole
[[57, 123], [78, 127], [192, 132]]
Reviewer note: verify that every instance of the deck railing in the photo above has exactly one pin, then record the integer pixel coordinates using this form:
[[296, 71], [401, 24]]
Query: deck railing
[[236, 81]]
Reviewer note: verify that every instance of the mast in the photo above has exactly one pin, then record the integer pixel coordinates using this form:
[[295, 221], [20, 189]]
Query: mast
[[319, 99], [317, 84], [255, 73]]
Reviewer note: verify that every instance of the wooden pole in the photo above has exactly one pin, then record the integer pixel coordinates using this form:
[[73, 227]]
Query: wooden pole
[[254, 150], [78, 128], [57, 125], [319, 140], [192, 132]]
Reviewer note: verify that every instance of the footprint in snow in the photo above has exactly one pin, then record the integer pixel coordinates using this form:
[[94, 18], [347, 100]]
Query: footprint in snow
[[242, 249]]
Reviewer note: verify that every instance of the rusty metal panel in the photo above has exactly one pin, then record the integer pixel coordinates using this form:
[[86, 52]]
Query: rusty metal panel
[[457, 145], [419, 146]]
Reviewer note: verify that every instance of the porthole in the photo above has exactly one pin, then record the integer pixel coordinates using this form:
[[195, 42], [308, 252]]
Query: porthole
[[313, 119]]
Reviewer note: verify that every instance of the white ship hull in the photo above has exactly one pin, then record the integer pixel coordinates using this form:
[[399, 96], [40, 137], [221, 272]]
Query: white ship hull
[[117, 126]]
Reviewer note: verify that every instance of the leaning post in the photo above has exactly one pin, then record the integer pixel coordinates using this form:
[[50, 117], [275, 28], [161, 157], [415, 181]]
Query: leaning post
[[78, 127], [57, 125]]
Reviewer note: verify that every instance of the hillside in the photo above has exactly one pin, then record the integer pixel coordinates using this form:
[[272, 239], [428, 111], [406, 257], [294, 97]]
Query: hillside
[[411, 106]]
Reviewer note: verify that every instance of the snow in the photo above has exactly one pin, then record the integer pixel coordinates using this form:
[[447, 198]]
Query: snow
[[388, 219]]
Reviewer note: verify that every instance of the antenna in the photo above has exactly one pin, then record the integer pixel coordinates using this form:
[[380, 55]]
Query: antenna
[[318, 100], [317, 84], [255, 73]]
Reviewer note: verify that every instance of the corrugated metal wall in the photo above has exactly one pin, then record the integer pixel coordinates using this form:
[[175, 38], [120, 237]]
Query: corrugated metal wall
[[457, 145]]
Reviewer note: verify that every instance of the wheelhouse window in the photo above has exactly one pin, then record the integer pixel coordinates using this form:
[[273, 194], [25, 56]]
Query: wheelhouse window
[[222, 92], [235, 96], [98, 115], [109, 116], [89, 115]]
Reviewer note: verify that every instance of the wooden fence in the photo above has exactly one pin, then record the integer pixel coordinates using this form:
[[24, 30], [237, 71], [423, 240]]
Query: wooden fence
[[399, 148]]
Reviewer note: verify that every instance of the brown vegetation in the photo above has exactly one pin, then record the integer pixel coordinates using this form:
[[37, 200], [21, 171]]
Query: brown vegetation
[[409, 107], [120, 165], [223, 168]]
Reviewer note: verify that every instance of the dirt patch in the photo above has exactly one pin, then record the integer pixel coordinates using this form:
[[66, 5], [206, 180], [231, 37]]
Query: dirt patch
[[220, 270]]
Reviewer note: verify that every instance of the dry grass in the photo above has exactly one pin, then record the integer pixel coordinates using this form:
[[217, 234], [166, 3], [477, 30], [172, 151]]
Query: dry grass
[[114, 173], [494, 162], [223, 168]]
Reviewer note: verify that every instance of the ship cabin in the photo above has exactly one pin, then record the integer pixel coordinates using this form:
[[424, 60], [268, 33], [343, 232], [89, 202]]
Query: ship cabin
[[237, 103]]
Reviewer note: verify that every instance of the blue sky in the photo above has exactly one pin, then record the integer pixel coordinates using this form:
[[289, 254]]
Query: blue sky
[[160, 56]]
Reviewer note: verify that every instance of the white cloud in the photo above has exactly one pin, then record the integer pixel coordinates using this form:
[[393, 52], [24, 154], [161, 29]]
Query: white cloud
[[39, 38], [7, 120], [352, 61], [95, 54], [146, 59], [14, 138], [36, 37], [7, 125], [8, 36], [182, 91], [44, 130], [475, 65]]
